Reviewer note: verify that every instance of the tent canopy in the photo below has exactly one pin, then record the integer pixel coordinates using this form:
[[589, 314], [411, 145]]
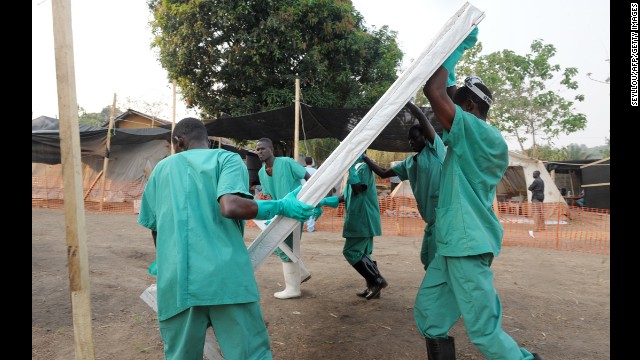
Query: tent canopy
[[317, 123]]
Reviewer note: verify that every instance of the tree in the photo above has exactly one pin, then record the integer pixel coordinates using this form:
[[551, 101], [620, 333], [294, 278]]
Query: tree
[[243, 57], [96, 119], [523, 105], [152, 108], [580, 152]]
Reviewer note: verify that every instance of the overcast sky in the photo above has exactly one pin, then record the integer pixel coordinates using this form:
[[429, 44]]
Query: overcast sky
[[113, 55]]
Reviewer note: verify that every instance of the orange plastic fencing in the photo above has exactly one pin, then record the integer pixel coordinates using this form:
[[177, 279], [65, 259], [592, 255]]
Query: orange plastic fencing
[[568, 228]]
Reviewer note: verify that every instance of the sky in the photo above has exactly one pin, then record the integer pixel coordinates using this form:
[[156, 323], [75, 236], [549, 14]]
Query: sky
[[112, 53]]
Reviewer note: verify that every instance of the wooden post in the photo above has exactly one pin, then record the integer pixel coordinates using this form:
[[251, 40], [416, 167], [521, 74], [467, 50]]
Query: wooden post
[[76, 234], [92, 185], [105, 164], [297, 121], [173, 116], [571, 181]]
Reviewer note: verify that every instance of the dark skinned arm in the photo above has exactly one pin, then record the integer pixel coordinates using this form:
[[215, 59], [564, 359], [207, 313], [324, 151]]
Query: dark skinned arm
[[427, 129], [438, 95], [383, 173], [237, 207], [154, 235], [306, 176]]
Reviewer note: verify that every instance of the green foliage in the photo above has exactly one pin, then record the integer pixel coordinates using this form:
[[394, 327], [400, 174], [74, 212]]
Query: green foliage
[[570, 152], [524, 107], [319, 149], [243, 57], [607, 152], [96, 119]]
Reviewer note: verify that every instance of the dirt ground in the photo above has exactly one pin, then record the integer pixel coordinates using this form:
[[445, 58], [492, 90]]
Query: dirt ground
[[555, 303]]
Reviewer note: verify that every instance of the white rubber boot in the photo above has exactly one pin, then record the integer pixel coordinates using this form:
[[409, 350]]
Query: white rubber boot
[[291, 272], [304, 273]]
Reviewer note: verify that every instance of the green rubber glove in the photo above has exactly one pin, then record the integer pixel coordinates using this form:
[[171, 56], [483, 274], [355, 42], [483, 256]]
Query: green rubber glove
[[317, 212], [288, 206], [452, 60], [331, 201], [153, 268]]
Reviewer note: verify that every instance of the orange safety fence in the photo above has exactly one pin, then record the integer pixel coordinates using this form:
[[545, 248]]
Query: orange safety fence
[[568, 228]]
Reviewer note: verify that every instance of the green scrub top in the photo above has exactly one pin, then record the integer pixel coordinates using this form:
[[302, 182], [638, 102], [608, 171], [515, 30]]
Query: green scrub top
[[362, 217], [201, 255], [287, 174], [423, 172], [477, 157]]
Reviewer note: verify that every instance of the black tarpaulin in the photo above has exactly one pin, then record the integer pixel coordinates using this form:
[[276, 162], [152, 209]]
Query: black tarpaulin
[[317, 123]]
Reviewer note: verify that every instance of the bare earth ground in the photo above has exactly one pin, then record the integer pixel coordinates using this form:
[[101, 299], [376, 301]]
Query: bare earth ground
[[555, 303]]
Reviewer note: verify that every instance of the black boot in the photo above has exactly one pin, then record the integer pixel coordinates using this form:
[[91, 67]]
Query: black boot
[[441, 349], [369, 271], [366, 291]]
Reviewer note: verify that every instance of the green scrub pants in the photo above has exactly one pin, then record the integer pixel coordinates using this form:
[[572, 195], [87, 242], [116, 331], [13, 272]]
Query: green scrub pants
[[289, 241], [454, 286], [357, 247], [239, 329]]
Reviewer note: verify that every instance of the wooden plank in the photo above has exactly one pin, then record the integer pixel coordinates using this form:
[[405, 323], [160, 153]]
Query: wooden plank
[[593, 185], [595, 163], [92, 185], [77, 259]]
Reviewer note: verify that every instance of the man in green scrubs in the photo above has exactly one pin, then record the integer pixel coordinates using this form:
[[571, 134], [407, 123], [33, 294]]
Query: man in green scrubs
[[423, 172], [468, 232], [361, 224], [278, 177], [195, 203]]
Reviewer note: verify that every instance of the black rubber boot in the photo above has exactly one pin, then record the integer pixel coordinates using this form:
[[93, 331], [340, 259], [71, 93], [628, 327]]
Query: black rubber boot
[[379, 283], [368, 270], [441, 349], [366, 290]]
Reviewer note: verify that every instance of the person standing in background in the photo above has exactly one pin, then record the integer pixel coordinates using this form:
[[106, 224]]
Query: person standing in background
[[537, 198], [361, 225], [278, 177]]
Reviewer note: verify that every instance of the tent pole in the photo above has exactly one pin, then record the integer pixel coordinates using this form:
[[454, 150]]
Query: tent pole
[[75, 224], [571, 181], [107, 151], [296, 134]]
